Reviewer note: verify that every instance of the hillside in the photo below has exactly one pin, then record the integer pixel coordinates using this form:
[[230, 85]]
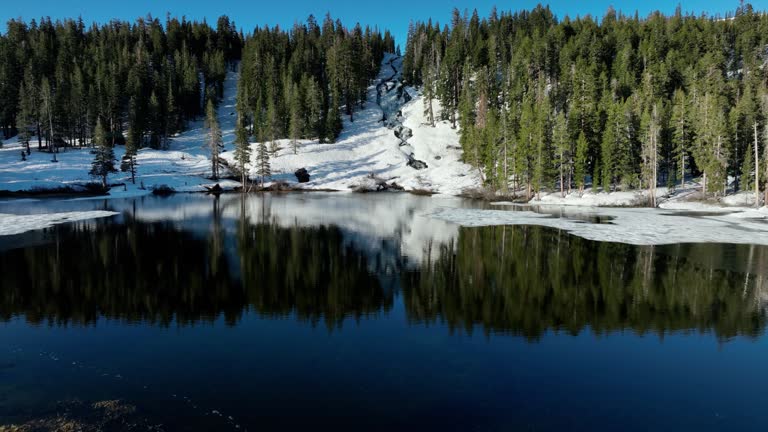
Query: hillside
[[365, 147]]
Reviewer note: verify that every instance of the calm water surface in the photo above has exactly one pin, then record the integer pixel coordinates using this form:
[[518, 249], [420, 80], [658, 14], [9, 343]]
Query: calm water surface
[[350, 312]]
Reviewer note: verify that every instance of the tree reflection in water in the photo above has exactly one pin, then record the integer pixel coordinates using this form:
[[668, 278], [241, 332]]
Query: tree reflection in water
[[515, 280]]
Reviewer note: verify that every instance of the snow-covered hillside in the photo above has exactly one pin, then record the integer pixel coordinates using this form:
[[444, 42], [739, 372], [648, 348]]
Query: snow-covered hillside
[[366, 147], [184, 166]]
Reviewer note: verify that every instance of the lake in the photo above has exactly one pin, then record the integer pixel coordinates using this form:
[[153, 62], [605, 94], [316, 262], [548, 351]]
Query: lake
[[357, 312]]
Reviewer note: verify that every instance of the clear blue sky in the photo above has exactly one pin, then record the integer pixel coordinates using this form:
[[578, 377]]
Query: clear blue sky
[[393, 14]]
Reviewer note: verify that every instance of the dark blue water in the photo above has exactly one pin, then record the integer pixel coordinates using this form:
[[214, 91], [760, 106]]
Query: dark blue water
[[356, 313]]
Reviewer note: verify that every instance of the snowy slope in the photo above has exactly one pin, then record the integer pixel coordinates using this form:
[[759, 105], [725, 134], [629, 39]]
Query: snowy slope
[[184, 166], [366, 146]]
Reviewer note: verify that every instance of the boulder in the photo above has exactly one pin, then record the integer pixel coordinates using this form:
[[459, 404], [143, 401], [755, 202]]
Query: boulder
[[403, 133], [417, 164], [162, 190], [302, 175]]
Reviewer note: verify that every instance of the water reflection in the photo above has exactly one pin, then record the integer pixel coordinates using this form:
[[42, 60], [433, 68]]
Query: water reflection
[[254, 256]]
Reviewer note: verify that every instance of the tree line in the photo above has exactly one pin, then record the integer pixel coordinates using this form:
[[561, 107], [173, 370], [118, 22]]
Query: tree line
[[142, 81], [620, 103], [296, 84]]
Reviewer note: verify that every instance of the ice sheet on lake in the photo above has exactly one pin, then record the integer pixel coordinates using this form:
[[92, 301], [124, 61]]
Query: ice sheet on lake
[[11, 224], [632, 226]]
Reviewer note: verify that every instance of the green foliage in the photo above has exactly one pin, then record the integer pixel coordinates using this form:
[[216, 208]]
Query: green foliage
[[215, 143], [104, 157], [649, 98], [242, 151], [301, 79], [580, 163], [145, 72], [263, 169]]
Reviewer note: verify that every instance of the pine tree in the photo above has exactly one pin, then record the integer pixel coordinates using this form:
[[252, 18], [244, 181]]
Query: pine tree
[[104, 159], [650, 126], [430, 80], [171, 115], [541, 150], [47, 96], [580, 163], [215, 142], [682, 130], [156, 129], [296, 119], [562, 145], [242, 151], [313, 102], [747, 167], [262, 163], [24, 118], [610, 144], [128, 163]]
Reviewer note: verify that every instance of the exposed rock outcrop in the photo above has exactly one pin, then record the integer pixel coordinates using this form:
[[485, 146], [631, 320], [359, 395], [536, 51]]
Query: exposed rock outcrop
[[302, 175]]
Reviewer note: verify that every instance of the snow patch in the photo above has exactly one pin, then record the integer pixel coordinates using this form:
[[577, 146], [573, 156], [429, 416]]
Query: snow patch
[[11, 224], [631, 226]]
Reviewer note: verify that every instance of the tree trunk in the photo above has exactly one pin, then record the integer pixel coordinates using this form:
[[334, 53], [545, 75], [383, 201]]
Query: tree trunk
[[757, 170], [431, 114], [562, 186], [682, 170], [53, 140]]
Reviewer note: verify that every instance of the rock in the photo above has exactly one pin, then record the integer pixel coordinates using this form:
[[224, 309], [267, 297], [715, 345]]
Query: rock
[[404, 133], [438, 157], [417, 164], [215, 189], [406, 97], [162, 190], [302, 175]]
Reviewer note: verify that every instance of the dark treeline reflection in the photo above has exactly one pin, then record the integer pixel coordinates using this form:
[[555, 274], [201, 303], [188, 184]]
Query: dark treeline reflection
[[515, 280], [527, 280], [158, 273]]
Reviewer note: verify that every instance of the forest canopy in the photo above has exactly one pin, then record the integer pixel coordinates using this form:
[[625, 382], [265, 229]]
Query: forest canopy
[[623, 102], [58, 78]]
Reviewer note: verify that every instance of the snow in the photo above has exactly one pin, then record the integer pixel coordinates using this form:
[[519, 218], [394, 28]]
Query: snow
[[638, 226], [742, 199], [11, 224], [183, 167], [365, 219], [687, 198], [367, 147], [593, 199]]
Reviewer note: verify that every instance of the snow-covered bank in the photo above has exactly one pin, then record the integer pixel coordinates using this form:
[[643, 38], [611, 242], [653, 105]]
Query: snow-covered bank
[[11, 224], [739, 205], [637, 226]]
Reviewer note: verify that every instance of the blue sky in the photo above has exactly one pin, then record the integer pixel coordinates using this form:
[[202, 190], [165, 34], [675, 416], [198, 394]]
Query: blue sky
[[395, 17]]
